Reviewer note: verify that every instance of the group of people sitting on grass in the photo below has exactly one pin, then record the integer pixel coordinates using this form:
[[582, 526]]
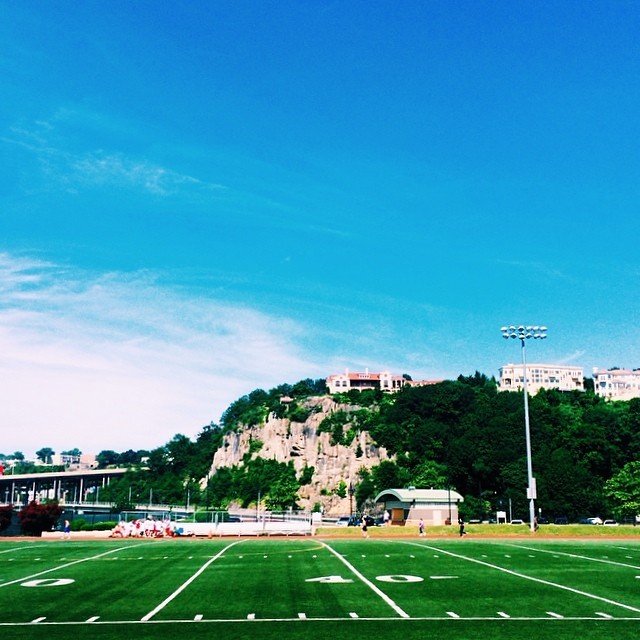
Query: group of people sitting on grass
[[143, 528]]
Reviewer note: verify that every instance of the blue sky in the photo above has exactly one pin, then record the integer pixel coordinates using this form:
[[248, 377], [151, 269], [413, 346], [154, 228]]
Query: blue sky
[[200, 199]]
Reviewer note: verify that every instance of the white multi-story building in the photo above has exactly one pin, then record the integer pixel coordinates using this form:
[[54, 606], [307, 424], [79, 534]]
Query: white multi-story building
[[541, 376], [78, 462], [617, 384], [340, 382], [385, 381]]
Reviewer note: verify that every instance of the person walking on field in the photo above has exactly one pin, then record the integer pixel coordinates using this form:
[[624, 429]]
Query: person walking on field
[[461, 523], [365, 528], [421, 528]]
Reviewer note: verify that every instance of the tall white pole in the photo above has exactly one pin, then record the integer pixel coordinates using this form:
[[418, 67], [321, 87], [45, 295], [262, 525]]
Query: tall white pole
[[524, 333], [531, 489]]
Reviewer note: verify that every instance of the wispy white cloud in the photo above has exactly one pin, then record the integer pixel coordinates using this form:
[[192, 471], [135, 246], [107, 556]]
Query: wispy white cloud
[[89, 168], [100, 168], [118, 361], [573, 358], [536, 267], [99, 164]]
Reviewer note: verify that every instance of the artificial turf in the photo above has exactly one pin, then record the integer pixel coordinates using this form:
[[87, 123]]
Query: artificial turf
[[309, 587]]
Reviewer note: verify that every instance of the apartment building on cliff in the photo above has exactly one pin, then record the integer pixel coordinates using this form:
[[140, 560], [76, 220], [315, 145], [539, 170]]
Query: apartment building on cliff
[[541, 376], [385, 381], [616, 384]]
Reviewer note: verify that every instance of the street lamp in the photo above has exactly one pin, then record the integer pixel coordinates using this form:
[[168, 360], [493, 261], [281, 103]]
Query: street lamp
[[352, 491], [524, 333]]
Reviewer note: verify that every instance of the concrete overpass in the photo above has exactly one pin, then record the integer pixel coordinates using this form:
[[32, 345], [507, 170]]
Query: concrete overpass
[[64, 486]]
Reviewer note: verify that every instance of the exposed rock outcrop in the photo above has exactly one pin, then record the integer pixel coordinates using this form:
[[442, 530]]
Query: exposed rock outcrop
[[284, 441]]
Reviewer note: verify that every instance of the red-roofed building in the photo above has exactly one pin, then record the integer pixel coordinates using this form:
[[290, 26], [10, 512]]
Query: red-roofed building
[[385, 381]]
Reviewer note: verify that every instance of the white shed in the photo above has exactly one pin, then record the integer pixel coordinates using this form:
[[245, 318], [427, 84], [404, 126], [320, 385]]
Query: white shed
[[436, 506]]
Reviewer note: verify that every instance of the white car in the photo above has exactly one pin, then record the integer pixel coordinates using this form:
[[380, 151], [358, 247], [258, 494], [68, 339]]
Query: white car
[[518, 521], [343, 521], [610, 523]]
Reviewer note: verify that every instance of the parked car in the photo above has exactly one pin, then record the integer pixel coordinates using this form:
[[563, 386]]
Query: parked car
[[561, 520], [610, 523], [343, 521], [517, 521], [595, 520]]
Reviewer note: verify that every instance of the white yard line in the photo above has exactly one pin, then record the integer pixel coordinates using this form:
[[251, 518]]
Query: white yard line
[[526, 577], [185, 584], [35, 546], [63, 566], [579, 557], [370, 584]]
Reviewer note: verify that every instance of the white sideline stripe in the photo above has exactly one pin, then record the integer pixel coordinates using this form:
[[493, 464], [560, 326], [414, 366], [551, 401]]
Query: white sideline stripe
[[215, 621], [64, 566], [370, 584], [185, 584], [526, 577], [579, 557]]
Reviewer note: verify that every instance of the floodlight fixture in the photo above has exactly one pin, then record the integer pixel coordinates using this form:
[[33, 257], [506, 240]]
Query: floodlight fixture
[[523, 332]]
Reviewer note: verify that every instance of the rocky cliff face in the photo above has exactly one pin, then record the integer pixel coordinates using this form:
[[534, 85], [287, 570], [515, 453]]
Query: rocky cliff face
[[284, 441]]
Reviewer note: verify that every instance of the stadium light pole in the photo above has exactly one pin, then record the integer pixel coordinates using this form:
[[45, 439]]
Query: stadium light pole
[[524, 333]]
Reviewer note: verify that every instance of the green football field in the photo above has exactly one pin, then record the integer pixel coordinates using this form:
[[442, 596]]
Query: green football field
[[315, 588]]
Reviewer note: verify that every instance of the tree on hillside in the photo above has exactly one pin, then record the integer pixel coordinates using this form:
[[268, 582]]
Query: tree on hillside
[[429, 474], [624, 489], [221, 487], [388, 475], [365, 489], [283, 494], [45, 455], [107, 458]]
